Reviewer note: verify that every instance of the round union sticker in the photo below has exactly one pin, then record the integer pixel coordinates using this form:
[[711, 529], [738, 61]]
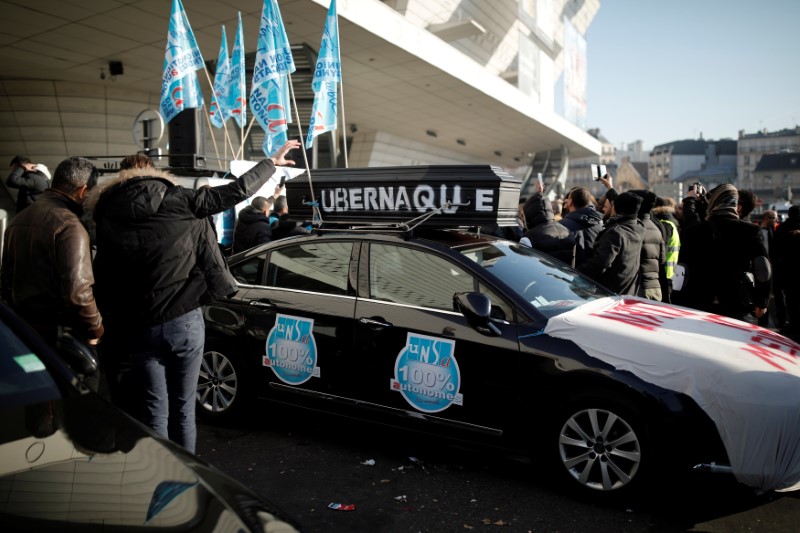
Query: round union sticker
[[292, 350], [426, 373]]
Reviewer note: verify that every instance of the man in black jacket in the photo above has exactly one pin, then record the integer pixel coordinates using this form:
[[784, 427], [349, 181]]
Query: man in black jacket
[[583, 221], [282, 225], [30, 180], [544, 233], [618, 248], [157, 262], [252, 224]]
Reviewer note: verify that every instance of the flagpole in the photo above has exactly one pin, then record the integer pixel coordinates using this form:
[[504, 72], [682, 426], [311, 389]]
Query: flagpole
[[303, 148], [241, 147], [211, 129], [245, 134], [341, 92], [214, 96], [344, 129]]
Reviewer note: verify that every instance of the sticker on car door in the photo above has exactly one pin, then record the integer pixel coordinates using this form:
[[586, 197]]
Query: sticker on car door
[[426, 373], [292, 350]]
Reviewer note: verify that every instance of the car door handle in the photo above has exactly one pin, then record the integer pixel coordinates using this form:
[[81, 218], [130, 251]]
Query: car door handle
[[262, 305], [374, 324]]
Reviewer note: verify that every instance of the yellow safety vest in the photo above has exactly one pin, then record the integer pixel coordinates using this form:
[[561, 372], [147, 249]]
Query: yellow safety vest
[[673, 247]]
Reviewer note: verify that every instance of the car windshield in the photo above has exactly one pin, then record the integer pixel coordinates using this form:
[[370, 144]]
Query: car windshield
[[550, 286]]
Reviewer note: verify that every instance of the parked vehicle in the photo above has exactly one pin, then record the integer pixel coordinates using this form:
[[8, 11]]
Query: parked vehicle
[[468, 336], [69, 461]]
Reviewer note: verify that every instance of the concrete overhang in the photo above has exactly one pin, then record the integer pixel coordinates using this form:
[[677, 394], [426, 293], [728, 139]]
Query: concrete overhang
[[398, 78]]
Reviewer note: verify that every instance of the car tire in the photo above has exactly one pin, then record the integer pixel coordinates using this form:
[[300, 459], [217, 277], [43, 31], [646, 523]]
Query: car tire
[[602, 448], [223, 386]]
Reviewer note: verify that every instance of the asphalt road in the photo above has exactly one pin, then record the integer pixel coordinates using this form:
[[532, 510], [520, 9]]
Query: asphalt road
[[304, 461]]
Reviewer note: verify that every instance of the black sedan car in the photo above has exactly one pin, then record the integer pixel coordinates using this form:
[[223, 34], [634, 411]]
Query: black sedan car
[[367, 326], [69, 461], [468, 336]]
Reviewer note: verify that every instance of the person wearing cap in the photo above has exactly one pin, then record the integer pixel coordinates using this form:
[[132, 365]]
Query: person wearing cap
[[30, 180], [617, 249], [727, 268]]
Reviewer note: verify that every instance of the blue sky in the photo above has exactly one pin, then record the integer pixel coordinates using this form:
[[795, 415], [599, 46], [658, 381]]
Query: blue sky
[[666, 70]]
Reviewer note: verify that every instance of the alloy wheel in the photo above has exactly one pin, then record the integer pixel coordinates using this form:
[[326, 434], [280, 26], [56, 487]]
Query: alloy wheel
[[218, 384], [599, 449]]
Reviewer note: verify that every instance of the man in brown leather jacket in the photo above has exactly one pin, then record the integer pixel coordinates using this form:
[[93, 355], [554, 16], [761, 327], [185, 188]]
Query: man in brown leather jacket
[[46, 273]]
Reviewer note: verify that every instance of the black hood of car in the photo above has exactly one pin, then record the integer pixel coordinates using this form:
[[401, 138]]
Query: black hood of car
[[77, 463]]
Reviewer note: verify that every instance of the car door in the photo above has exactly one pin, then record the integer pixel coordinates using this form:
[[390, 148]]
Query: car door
[[299, 320], [416, 355]]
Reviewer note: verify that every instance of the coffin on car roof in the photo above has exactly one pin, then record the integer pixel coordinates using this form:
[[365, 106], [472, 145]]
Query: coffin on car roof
[[464, 195]]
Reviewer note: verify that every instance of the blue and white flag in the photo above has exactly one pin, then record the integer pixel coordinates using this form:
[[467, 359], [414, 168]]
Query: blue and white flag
[[237, 90], [218, 110], [269, 95], [179, 86], [327, 76]]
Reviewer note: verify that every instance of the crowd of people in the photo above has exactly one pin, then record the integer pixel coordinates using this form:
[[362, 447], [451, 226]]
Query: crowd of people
[[136, 287], [132, 261], [703, 253]]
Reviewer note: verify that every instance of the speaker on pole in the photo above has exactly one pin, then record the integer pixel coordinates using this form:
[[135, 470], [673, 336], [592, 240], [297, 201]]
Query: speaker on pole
[[186, 138]]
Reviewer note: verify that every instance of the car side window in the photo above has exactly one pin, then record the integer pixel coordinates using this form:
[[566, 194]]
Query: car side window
[[249, 272], [315, 267], [406, 276]]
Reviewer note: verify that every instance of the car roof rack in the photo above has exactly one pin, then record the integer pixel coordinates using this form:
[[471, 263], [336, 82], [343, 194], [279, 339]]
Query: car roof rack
[[405, 228]]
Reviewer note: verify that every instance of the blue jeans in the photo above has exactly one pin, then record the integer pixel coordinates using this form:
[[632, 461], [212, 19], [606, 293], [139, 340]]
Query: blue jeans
[[166, 360]]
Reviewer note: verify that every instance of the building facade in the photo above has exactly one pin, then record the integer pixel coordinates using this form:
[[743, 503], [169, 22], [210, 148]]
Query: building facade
[[424, 81], [752, 146], [678, 160], [776, 177]]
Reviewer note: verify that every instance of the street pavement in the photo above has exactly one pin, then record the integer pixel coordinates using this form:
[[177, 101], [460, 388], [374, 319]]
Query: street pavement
[[398, 482]]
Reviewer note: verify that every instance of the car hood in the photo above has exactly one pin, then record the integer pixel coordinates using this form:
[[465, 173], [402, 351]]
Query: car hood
[[746, 378], [79, 463]]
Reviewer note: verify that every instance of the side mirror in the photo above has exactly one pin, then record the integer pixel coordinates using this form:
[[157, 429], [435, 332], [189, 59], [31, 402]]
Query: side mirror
[[476, 308], [77, 355]]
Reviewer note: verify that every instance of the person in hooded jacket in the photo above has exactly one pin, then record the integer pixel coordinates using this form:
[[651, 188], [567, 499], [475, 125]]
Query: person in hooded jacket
[[727, 269], [583, 220], [157, 263], [544, 233], [618, 248], [253, 225], [664, 211], [654, 251]]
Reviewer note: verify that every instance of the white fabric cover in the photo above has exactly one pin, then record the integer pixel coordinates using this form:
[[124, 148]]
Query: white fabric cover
[[746, 378]]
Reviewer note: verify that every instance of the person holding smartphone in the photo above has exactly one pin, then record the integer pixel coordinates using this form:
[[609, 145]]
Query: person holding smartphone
[[693, 207]]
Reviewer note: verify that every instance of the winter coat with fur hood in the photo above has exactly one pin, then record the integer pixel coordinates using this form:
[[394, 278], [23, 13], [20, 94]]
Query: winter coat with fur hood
[[157, 257]]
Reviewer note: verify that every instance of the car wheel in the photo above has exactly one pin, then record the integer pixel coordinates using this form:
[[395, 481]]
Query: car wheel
[[602, 446], [222, 387]]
